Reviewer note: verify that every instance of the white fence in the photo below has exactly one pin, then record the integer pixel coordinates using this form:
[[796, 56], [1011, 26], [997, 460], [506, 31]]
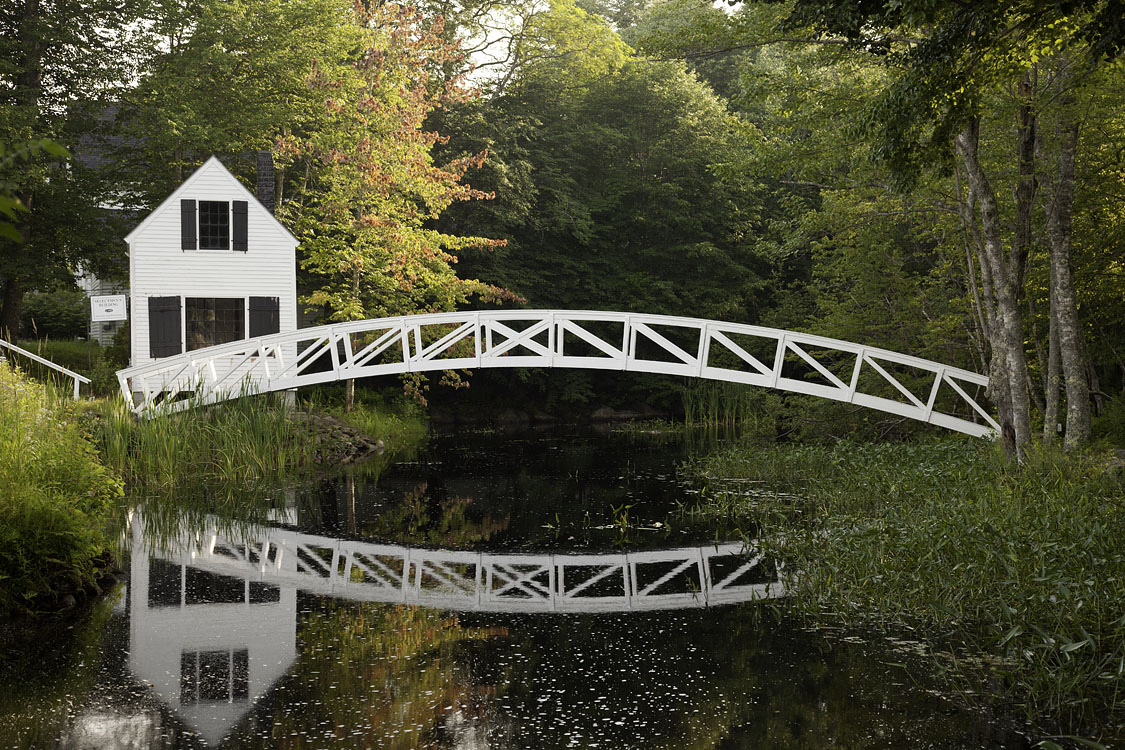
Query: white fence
[[766, 357]]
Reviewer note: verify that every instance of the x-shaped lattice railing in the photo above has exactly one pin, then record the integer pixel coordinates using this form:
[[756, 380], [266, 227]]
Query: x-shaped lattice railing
[[766, 357], [653, 579]]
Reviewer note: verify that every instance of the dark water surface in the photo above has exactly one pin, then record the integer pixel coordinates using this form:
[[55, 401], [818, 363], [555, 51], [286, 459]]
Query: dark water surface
[[533, 590]]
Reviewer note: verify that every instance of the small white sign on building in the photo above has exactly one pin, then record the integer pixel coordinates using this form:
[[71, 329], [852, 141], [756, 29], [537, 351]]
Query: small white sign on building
[[110, 307]]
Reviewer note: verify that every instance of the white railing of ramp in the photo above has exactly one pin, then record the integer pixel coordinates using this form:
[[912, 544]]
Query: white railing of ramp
[[78, 379]]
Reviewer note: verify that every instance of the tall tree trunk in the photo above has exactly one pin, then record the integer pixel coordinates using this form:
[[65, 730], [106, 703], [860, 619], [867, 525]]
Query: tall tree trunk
[[984, 317], [10, 309], [1059, 232], [1041, 357], [349, 395], [1053, 379], [30, 79], [1009, 363], [999, 390], [1026, 183]]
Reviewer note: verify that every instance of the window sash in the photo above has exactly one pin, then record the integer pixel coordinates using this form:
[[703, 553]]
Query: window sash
[[214, 225], [210, 321]]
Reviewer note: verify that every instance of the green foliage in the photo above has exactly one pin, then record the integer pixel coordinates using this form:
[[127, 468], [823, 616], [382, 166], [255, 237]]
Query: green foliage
[[1022, 566], [242, 440], [1110, 423], [226, 78], [59, 314], [372, 189], [944, 55], [629, 205], [55, 55], [54, 497], [398, 421], [12, 208]]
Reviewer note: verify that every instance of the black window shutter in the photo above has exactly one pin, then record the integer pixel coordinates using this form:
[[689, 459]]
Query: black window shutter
[[187, 225], [265, 316], [240, 243], [164, 326]]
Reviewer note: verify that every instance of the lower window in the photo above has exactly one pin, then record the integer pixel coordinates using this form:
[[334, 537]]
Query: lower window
[[210, 321], [214, 676]]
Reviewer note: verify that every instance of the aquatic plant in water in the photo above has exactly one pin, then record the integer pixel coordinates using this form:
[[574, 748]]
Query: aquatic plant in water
[[1022, 565]]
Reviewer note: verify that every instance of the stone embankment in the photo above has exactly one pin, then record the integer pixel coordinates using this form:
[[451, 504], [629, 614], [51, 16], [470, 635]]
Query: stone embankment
[[338, 443]]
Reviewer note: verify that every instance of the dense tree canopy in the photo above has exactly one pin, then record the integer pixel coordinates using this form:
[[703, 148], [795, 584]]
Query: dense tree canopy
[[936, 177]]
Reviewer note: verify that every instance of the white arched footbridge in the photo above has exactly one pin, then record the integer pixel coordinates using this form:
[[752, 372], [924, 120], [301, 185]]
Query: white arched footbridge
[[766, 357]]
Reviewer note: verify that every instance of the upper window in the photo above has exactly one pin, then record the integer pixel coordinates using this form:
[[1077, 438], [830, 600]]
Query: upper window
[[214, 225]]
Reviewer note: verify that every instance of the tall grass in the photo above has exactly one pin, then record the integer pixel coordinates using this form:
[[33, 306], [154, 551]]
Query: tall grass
[[718, 403], [1026, 567], [54, 497], [244, 440], [241, 440]]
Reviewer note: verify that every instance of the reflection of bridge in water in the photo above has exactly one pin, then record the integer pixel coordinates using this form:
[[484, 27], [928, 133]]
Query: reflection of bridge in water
[[213, 614], [479, 581]]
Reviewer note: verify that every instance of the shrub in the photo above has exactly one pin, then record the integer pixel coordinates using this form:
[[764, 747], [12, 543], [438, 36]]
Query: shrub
[[60, 314], [54, 496]]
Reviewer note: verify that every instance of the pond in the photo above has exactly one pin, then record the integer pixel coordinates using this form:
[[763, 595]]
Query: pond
[[498, 590]]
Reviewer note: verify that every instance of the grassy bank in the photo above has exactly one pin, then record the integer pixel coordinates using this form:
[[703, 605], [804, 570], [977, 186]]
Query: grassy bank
[[397, 421], [244, 440], [55, 494], [241, 440], [1025, 568]]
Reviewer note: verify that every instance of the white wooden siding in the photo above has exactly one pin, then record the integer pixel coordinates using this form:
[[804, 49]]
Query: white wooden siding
[[158, 267]]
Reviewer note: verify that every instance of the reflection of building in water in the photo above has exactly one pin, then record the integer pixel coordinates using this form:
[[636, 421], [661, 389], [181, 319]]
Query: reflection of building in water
[[209, 644]]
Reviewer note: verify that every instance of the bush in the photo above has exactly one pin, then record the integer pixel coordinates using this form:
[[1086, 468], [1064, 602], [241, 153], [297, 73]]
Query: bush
[[54, 497], [62, 314], [103, 376], [1110, 424]]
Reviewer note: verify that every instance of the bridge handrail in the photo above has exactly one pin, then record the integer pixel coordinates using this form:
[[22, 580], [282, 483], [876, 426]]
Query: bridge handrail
[[78, 379], [176, 373]]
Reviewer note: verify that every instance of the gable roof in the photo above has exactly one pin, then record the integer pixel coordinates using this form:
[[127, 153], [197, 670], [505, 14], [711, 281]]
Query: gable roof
[[211, 163]]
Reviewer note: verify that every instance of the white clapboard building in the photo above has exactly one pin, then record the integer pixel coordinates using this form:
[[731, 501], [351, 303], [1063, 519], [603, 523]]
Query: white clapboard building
[[210, 265]]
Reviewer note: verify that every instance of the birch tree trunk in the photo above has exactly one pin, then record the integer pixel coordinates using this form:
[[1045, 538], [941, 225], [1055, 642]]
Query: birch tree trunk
[[1053, 379], [1008, 370], [1060, 232]]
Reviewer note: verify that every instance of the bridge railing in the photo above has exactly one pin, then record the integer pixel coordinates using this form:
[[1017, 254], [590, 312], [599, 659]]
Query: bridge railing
[[791, 361]]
